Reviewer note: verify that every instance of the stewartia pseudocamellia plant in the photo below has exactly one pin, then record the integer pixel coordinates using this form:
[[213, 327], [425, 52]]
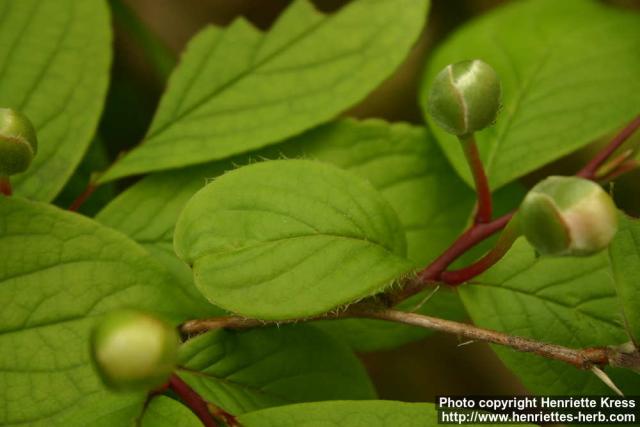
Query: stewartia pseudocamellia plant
[[269, 240]]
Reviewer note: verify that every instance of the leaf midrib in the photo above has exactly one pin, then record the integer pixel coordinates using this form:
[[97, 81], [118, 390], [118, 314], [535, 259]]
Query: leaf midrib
[[246, 387], [549, 300], [258, 243]]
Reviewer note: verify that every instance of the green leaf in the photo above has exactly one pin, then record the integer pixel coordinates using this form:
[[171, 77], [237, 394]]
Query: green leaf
[[566, 301], [237, 89], [54, 67], [375, 413], [289, 239], [243, 371], [166, 412], [624, 256], [406, 166], [59, 272], [566, 82], [401, 161]]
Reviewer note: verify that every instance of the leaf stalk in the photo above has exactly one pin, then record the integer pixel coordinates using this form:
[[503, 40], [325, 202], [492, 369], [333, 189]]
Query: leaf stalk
[[5, 186]]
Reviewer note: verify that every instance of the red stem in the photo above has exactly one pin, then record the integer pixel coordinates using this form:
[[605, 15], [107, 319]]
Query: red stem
[[79, 201], [193, 400], [457, 277], [466, 241], [590, 170], [506, 240], [484, 212], [622, 168], [5, 186], [479, 232]]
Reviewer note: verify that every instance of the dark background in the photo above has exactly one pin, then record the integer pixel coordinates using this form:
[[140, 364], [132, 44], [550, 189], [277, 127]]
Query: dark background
[[419, 371]]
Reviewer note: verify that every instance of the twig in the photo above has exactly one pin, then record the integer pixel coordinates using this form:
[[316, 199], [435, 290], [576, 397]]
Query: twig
[[484, 208], [585, 358], [505, 241], [614, 163], [79, 201], [591, 169], [466, 241], [5, 186], [626, 167], [198, 326], [193, 400], [581, 358]]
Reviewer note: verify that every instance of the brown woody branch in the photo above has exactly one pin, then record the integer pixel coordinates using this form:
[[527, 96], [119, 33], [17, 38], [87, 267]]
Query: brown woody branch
[[585, 358]]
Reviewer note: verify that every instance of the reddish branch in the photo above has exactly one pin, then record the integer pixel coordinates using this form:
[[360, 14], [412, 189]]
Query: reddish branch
[[193, 400], [467, 240], [484, 208], [621, 169], [478, 232], [5, 186], [79, 201], [506, 240], [591, 169]]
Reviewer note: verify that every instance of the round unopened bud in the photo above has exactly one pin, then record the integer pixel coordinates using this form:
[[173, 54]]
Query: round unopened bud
[[465, 97], [134, 351], [568, 216], [18, 142]]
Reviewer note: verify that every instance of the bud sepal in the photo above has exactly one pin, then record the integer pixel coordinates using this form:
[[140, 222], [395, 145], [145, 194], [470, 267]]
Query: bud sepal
[[568, 216], [18, 142], [465, 97]]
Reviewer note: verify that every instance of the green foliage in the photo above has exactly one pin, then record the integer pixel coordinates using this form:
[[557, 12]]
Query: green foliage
[[569, 75], [242, 371], [316, 238], [59, 272], [47, 75], [166, 412], [376, 413], [237, 89], [258, 205], [402, 162], [568, 301], [624, 256]]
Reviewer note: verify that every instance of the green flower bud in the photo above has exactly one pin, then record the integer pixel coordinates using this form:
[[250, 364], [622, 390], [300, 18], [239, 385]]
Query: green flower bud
[[134, 351], [18, 142], [568, 216], [465, 97]]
